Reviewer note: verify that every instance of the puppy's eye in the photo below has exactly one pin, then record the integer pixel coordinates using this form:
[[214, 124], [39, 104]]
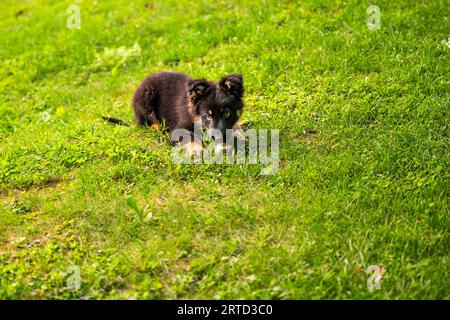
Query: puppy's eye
[[226, 113], [209, 114]]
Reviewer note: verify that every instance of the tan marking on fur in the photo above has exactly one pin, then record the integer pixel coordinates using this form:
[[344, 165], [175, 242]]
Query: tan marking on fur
[[237, 125], [155, 126]]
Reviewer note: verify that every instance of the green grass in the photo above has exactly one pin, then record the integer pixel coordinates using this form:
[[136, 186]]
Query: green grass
[[364, 147]]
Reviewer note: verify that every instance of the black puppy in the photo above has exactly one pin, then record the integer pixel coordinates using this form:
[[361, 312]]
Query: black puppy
[[180, 102]]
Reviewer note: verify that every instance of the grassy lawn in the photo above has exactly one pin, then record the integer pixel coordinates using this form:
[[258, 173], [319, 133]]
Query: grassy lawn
[[364, 152]]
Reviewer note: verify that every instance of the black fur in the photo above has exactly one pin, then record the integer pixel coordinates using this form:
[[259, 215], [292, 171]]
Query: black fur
[[177, 100]]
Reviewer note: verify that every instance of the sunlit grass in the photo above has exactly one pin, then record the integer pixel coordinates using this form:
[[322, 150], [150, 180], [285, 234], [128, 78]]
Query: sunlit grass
[[363, 178]]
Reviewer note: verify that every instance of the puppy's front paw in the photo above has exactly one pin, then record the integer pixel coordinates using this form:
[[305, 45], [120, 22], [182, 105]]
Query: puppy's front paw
[[220, 148], [192, 148]]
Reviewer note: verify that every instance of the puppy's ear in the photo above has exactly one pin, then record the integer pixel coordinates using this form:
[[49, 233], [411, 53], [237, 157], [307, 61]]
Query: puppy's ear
[[197, 88], [233, 84]]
